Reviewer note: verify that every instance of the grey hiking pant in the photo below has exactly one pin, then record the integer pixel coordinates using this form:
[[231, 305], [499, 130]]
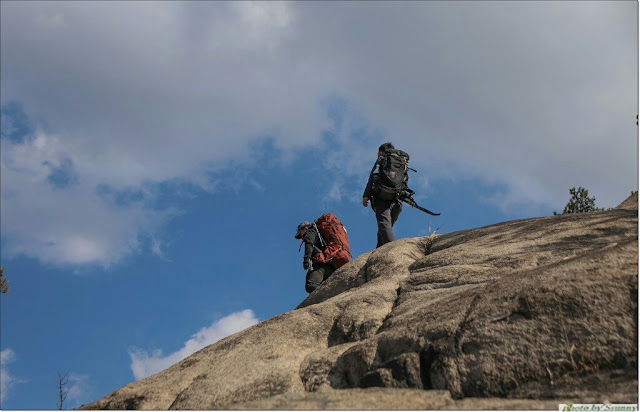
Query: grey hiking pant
[[387, 212], [319, 274]]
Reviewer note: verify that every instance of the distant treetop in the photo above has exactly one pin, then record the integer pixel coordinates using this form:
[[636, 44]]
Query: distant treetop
[[4, 287], [580, 202]]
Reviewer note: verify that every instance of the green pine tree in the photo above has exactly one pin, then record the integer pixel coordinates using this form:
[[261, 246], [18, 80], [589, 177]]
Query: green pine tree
[[580, 202], [4, 283]]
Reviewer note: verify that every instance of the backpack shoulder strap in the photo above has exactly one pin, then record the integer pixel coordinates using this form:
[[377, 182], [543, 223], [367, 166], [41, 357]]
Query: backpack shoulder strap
[[322, 241]]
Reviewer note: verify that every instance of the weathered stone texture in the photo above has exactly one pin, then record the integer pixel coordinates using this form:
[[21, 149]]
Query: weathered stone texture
[[543, 310]]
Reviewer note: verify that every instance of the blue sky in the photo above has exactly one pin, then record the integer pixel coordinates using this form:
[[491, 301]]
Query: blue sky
[[157, 157]]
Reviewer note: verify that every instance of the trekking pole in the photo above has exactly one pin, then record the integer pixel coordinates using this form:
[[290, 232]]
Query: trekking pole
[[406, 197]]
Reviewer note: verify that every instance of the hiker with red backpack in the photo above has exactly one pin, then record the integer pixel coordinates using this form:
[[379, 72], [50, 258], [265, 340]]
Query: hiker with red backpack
[[326, 248]]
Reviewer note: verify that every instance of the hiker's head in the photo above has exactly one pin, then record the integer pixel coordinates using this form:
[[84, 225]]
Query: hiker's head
[[384, 147], [302, 229]]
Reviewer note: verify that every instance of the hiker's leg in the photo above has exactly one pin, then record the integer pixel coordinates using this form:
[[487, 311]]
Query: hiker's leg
[[383, 216], [314, 279], [319, 274], [396, 208], [328, 270], [378, 237]]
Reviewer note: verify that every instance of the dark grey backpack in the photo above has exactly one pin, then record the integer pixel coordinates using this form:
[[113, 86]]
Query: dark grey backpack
[[392, 174]]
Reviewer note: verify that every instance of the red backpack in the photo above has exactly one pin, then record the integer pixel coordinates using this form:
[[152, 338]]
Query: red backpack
[[334, 236]]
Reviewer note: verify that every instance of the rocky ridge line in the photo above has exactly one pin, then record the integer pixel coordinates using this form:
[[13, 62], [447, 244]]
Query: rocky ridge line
[[542, 308]]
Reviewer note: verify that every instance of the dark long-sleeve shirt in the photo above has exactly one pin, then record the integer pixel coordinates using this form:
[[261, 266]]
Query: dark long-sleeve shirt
[[312, 244], [368, 190]]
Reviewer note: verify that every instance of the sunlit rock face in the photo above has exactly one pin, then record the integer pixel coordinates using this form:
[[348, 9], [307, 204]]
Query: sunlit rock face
[[518, 315]]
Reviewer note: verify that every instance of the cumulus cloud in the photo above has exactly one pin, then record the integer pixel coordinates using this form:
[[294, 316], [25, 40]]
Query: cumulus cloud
[[532, 95], [500, 91], [79, 389], [74, 223], [7, 380], [144, 363]]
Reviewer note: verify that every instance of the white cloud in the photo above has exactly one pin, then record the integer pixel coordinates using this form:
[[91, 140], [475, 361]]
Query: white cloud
[[526, 94], [336, 191], [64, 225], [263, 21], [7, 380], [79, 389], [156, 247], [144, 364]]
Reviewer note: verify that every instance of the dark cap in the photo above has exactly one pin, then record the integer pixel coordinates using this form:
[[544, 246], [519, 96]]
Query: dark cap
[[300, 227]]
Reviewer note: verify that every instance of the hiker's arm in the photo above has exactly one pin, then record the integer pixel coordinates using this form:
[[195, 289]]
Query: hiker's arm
[[312, 250], [310, 239], [368, 191]]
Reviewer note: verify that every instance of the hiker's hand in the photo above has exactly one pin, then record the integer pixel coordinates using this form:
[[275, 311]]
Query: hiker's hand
[[365, 201]]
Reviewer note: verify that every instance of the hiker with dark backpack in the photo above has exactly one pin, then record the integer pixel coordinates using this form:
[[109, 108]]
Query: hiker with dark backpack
[[387, 188], [386, 181], [326, 248]]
